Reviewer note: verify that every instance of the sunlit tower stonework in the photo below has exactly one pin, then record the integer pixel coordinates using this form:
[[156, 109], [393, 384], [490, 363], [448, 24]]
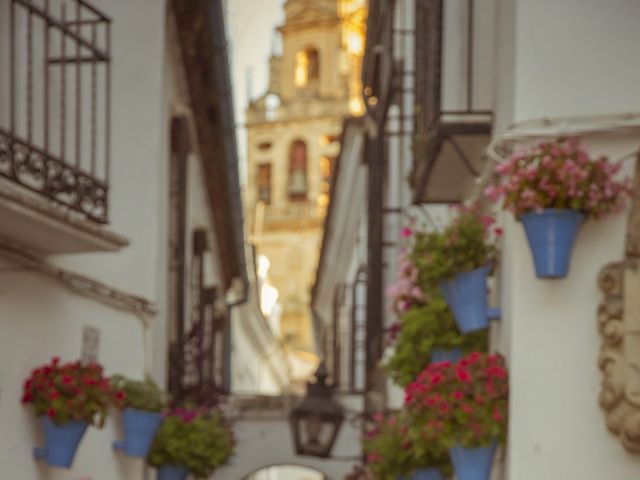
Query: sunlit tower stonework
[[293, 133]]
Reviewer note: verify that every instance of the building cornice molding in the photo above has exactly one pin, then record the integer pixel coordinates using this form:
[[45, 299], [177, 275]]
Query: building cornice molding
[[54, 212], [619, 328], [82, 285], [309, 25]]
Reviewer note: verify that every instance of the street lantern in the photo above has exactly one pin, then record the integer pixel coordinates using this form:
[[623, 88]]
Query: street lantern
[[316, 420]]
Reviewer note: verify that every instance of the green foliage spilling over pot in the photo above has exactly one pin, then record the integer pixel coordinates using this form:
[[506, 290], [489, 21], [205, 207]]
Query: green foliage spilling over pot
[[201, 440], [464, 245], [141, 394], [423, 329], [391, 454]]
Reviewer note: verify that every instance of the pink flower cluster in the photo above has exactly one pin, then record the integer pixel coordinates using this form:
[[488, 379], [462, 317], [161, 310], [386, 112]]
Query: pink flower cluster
[[559, 174], [187, 415], [476, 211], [404, 292]]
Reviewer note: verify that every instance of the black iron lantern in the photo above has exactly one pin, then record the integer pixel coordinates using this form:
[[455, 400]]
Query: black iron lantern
[[316, 420]]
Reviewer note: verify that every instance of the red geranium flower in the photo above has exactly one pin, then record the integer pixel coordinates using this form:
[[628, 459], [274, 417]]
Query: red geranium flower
[[463, 375], [468, 403], [67, 392]]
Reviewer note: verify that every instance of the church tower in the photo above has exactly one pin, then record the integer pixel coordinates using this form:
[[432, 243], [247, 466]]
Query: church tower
[[292, 133]]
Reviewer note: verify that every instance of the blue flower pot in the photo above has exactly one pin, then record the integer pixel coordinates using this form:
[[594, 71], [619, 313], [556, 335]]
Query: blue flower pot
[[466, 295], [473, 463], [551, 236], [61, 442], [173, 472], [139, 430], [441, 355], [427, 474]]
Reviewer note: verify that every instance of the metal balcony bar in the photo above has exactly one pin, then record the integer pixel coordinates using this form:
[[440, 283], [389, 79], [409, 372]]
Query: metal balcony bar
[[430, 56], [63, 26], [56, 142], [454, 74]]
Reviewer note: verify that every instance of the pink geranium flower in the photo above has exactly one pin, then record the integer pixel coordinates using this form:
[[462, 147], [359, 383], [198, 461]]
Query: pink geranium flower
[[559, 174]]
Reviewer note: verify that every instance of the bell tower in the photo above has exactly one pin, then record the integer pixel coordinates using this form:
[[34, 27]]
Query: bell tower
[[292, 133]]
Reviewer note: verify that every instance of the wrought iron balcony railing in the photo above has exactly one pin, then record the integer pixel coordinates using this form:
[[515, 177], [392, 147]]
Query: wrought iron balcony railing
[[454, 88], [199, 350], [55, 84], [292, 213]]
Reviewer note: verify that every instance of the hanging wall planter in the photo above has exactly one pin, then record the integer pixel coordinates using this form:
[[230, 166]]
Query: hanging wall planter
[[173, 472], [552, 188], [427, 474], [473, 463], [551, 235], [139, 430], [457, 261], [446, 355], [390, 453], [195, 441], [142, 402], [67, 398], [429, 333], [469, 429], [466, 295], [61, 442]]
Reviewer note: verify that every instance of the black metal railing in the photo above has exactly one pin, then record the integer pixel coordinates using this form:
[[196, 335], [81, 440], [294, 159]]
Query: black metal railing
[[198, 358], [55, 97], [429, 58], [344, 341], [428, 63]]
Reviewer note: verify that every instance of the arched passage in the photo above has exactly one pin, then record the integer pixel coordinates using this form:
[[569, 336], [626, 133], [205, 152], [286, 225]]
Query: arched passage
[[263, 439], [286, 472]]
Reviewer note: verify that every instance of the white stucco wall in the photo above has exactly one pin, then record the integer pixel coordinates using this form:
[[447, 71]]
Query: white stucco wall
[[40, 319], [557, 429], [566, 58], [258, 363], [575, 57], [139, 144]]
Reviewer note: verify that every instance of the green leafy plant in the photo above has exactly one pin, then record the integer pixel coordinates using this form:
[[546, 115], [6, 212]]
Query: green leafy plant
[[391, 453], [423, 329], [140, 394], [201, 440], [465, 244], [559, 174], [460, 403], [70, 391]]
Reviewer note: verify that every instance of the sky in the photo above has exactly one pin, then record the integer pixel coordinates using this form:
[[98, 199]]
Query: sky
[[250, 30]]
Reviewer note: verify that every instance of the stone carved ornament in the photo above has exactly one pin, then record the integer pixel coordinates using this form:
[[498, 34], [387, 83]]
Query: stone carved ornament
[[619, 326]]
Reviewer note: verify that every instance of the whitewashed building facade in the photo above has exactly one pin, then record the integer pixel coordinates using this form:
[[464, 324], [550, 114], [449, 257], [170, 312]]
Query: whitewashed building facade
[[121, 233], [471, 82]]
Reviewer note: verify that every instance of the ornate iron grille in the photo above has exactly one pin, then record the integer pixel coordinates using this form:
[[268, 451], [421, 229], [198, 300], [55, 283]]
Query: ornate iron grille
[[55, 84], [198, 360], [358, 332], [428, 63], [429, 58]]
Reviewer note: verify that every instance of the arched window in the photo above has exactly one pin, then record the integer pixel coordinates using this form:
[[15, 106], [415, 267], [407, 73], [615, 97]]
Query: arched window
[[313, 59], [307, 68], [297, 187], [263, 181]]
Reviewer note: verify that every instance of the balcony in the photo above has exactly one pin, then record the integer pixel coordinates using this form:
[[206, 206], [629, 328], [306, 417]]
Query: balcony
[[292, 215], [455, 75], [55, 84]]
